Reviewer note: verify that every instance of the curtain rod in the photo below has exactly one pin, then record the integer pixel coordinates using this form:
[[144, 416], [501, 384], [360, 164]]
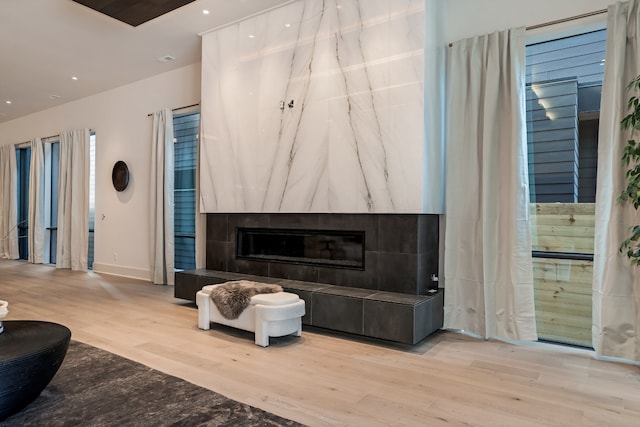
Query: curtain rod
[[571, 18], [179, 108], [562, 20], [45, 140]]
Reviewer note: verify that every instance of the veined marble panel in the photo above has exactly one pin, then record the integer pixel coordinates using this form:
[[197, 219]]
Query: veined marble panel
[[353, 139]]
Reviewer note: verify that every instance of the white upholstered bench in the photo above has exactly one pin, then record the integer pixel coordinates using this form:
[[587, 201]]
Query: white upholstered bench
[[268, 315]]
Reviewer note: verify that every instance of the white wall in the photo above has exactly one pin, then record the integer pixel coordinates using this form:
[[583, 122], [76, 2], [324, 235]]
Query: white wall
[[123, 132], [467, 18]]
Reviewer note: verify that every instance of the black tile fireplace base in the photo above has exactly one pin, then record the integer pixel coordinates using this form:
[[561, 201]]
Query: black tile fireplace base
[[385, 315]]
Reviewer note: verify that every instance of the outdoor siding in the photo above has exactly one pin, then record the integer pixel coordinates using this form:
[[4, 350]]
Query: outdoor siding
[[581, 58], [553, 108], [552, 127]]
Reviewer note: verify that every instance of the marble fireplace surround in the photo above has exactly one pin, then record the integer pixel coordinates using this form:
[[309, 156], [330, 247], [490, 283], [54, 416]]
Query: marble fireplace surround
[[318, 106]]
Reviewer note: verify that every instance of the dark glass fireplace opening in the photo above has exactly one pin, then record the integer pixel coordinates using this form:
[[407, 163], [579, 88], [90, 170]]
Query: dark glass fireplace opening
[[344, 249]]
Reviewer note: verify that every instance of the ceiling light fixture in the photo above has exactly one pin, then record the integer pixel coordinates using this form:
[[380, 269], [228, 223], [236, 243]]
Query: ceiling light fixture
[[205, 12], [166, 58], [251, 36], [287, 25], [7, 102], [74, 78], [54, 97]]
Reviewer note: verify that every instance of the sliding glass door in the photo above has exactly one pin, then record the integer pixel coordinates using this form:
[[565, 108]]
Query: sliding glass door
[[564, 79]]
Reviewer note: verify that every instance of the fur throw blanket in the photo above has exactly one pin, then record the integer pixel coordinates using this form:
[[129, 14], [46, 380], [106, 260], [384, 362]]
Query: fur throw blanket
[[232, 298]]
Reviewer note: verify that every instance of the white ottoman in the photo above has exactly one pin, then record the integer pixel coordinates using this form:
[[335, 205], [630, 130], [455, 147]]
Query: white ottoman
[[268, 315]]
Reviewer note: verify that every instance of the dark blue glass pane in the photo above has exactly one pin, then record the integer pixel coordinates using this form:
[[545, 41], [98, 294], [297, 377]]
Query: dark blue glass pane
[[186, 129], [23, 163]]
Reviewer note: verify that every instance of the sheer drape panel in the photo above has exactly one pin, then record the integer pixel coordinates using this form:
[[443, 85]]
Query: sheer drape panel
[[8, 203], [73, 200], [616, 284], [488, 268], [201, 218], [36, 203], [161, 199]]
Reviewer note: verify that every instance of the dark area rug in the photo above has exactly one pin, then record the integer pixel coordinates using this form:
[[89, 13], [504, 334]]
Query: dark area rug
[[96, 388]]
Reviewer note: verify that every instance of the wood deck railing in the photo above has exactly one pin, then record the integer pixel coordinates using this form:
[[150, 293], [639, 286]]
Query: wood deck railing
[[563, 287]]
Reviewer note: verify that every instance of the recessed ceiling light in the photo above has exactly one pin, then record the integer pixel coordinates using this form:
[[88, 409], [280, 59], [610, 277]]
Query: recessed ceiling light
[[205, 12], [54, 97], [287, 25], [166, 58], [7, 102], [74, 78], [251, 36]]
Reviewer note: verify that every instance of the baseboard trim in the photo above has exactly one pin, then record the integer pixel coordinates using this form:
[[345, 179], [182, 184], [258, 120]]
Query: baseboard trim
[[122, 271]]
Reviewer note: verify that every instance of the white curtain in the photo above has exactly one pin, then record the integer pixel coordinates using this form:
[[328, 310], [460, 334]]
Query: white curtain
[[161, 199], [8, 203], [488, 268], [616, 284], [36, 203], [201, 218], [73, 200]]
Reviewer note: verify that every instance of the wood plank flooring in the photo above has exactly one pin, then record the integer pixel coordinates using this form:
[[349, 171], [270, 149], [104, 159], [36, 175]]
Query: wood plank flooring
[[331, 379]]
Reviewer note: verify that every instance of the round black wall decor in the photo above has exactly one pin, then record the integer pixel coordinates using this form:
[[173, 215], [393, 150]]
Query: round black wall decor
[[120, 176]]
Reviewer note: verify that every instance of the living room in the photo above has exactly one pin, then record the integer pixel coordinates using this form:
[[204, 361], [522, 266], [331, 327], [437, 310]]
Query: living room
[[119, 116]]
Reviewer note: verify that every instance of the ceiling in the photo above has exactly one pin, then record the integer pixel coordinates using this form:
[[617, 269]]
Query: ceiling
[[45, 43]]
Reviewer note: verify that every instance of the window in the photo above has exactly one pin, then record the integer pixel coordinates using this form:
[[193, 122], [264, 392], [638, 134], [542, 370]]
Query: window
[[185, 128], [23, 162], [564, 83], [51, 163]]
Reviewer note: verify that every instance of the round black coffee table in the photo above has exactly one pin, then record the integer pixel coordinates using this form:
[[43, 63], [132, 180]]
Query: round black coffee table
[[30, 354]]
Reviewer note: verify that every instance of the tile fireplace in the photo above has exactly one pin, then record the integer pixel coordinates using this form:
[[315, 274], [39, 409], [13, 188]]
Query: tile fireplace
[[367, 274], [385, 252]]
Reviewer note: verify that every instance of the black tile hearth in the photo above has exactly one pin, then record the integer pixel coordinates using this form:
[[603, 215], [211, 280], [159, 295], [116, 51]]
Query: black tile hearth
[[337, 312], [297, 221], [388, 321], [217, 255], [365, 222], [257, 268], [401, 250], [307, 273], [387, 298], [386, 315], [367, 278], [398, 233]]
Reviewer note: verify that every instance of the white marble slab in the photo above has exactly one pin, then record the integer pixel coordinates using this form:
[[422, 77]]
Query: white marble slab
[[353, 140]]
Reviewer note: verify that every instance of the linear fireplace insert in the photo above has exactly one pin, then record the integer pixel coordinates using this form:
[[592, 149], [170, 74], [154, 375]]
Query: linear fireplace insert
[[342, 249]]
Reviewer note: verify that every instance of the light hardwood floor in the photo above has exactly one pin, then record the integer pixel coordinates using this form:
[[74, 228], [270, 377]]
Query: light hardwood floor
[[329, 379]]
